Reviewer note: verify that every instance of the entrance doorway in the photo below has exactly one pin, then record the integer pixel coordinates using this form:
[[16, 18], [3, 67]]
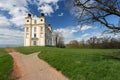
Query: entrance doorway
[[35, 43]]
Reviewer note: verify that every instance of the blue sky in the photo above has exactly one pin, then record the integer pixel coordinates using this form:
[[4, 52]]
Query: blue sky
[[13, 12]]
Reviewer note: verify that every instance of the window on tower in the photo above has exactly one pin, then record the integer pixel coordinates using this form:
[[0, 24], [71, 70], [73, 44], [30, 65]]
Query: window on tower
[[41, 29], [41, 19], [35, 29], [35, 21], [27, 20], [34, 35], [27, 35], [27, 29]]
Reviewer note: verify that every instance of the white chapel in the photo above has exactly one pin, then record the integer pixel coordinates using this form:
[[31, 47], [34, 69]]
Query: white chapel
[[36, 32]]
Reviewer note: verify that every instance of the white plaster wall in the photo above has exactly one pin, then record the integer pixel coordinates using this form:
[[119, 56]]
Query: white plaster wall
[[41, 22], [32, 31], [27, 22], [38, 36], [32, 21], [38, 21], [42, 42], [37, 31], [27, 42]]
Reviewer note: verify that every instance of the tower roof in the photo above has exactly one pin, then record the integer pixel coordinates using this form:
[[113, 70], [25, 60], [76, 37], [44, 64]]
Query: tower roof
[[49, 24], [29, 15], [42, 14]]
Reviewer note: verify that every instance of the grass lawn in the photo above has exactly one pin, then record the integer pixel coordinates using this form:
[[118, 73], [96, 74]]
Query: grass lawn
[[6, 63], [80, 64], [29, 50]]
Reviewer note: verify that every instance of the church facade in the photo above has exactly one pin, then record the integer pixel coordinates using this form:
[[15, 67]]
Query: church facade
[[36, 32]]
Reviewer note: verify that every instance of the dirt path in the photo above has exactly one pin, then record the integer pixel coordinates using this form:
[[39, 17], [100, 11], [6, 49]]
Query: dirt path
[[30, 67]]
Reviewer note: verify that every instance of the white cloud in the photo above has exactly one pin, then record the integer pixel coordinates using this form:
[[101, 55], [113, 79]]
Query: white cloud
[[61, 14], [11, 37], [49, 1], [85, 27], [47, 6], [18, 21], [67, 32], [46, 9], [86, 35], [4, 22], [17, 9]]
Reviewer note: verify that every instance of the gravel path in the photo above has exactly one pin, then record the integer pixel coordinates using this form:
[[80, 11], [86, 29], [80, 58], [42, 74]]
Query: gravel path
[[30, 67]]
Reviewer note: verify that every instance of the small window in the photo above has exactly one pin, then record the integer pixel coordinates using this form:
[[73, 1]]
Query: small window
[[35, 21], [27, 35], [27, 20], [35, 29], [34, 35], [41, 28], [27, 29], [41, 19]]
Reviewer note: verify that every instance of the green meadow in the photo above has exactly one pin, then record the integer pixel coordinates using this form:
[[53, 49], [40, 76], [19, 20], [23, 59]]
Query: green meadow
[[76, 64], [6, 64], [81, 64]]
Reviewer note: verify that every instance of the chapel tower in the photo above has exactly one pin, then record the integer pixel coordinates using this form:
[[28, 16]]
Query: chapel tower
[[36, 32]]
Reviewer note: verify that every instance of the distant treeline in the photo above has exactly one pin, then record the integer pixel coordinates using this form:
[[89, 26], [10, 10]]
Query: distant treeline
[[94, 42]]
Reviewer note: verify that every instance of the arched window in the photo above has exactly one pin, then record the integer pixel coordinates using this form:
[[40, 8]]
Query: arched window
[[34, 35], [35, 29], [41, 28], [27, 20], [27, 29], [27, 35]]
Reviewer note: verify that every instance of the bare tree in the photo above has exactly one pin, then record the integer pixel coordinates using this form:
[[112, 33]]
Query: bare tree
[[55, 37], [58, 39], [89, 11]]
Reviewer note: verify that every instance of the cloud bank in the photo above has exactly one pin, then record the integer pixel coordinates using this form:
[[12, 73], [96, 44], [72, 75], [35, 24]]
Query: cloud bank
[[69, 32]]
